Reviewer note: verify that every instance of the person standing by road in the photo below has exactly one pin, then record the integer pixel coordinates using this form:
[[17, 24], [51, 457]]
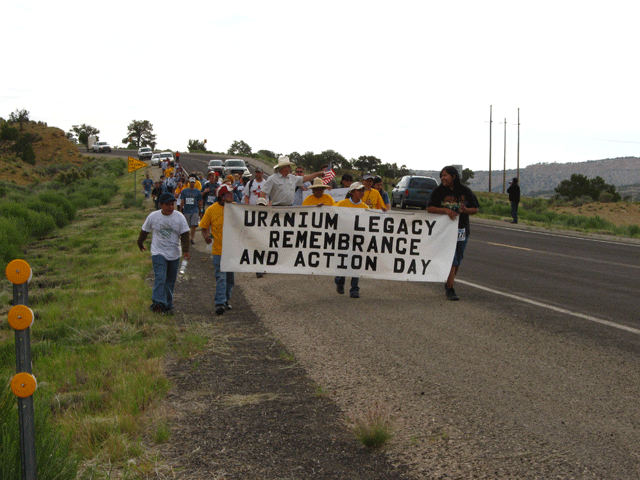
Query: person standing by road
[[209, 189], [297, 199], [377, 185], [147, 186], [211, 225], [281, 186], [453, 199], [514, 198], [156, 192], [191, 202], [170, 236], [353, 200], [371, 196], [254, 187]]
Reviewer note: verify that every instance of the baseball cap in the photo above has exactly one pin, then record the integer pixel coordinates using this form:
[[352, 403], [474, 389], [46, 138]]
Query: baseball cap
[[261, 201], [167, 198], [258, 169], [224, 188]]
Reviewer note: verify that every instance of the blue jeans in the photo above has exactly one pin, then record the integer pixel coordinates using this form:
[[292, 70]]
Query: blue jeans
[[224, 282], [354, 283], [166, 272]]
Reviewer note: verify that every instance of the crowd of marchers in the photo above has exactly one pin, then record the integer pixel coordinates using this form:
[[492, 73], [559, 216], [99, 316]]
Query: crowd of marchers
[[187, 201]]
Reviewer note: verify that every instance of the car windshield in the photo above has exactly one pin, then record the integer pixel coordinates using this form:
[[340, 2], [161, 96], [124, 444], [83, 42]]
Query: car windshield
[[422, 183], [235, 163], [215, 162]]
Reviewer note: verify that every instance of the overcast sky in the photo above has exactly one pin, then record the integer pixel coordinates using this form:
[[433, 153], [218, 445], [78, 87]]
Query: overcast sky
[[410, 82]]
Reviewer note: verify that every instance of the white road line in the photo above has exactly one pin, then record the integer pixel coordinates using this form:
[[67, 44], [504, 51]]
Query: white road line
[[555, 309], [560, 235]]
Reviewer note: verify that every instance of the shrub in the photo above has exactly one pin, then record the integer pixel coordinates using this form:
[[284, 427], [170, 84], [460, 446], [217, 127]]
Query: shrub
[[38, 224], [53, 454], [52, 209], [57, 198], [373, 427], [12, 238]]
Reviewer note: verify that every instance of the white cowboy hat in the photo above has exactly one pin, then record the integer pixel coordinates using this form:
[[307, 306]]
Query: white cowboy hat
[[283, 162], [356, 186], [317, 183]]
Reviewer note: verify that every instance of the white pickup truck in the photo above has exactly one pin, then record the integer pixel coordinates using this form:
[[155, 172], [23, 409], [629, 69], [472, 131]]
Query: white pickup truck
[[101, 147], [145, 153]]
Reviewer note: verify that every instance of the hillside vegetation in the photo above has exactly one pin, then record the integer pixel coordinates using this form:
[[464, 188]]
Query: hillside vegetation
[[541, 179]]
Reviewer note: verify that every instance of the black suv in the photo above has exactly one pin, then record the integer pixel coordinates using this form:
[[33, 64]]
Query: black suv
[[413, 191]]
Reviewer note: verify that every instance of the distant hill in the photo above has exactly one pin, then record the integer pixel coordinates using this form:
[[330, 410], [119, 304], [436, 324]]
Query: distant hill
[[541, 179]]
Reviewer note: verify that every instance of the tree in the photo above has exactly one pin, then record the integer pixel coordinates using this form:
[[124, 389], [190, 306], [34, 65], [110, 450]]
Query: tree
[[367, 163], [140, 134], [579, 185], [466, 175], [196, 146], [239, 147], [83, 132], [266, 153], [19, 116]]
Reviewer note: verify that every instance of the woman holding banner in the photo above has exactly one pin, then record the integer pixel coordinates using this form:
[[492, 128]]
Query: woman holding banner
[[453, 199]]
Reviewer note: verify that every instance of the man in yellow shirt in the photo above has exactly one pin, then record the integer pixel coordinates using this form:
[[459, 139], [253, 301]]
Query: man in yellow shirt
[[353, 200], [371, 196], [318, 197], [211, 224]]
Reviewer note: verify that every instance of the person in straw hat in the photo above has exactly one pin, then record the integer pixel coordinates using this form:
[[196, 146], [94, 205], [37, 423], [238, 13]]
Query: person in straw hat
[[318, 196], [281, 186]]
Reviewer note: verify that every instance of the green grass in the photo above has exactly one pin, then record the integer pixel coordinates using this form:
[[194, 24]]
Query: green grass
[[373, 427], [98, 351], [536, 211]]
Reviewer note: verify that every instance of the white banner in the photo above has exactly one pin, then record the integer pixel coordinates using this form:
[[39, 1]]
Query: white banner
[[345, 242]]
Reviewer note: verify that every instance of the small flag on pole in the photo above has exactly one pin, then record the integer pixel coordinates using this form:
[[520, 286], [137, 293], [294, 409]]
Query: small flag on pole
[[329, 174]]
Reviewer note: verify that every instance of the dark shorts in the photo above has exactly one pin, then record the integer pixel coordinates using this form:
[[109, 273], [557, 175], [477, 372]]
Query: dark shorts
[[460, 246]]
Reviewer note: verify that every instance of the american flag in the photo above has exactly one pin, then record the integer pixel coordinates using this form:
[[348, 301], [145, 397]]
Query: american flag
[[329, 174]]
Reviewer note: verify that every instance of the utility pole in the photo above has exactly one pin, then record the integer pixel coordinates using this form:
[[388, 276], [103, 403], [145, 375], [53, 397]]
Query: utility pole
[[490, 122], [518, 175], [504, 168]]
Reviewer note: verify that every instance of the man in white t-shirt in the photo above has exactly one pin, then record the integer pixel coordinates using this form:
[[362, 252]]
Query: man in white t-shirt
[[254, 187], [170, 233]]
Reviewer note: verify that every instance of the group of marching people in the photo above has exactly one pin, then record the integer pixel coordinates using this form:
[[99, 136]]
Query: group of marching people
[[203, 207]]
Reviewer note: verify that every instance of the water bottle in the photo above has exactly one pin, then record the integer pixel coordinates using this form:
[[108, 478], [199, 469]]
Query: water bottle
[[183, 267]]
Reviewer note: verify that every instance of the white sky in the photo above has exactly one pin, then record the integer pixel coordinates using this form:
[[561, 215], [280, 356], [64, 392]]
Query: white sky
[[410, 82]]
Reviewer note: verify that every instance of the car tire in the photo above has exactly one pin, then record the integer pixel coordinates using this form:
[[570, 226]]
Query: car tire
[[423, 207], [393, 202], [402, 204]]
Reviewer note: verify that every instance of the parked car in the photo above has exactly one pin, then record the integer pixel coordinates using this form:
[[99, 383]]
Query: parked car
[[155, 159], [101, 147], [414, 191], [145, 153], [235, 165], [216, 166]]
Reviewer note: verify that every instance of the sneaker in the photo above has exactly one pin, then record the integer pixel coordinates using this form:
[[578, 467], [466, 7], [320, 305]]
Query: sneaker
[[227, 306], [340, 289], [451, 294], [354, 295], [259, 274], [192, 242], [219, 309]]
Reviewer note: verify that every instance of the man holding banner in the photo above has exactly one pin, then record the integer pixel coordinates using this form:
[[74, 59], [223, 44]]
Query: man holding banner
[[453, 199], [281, 186]]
